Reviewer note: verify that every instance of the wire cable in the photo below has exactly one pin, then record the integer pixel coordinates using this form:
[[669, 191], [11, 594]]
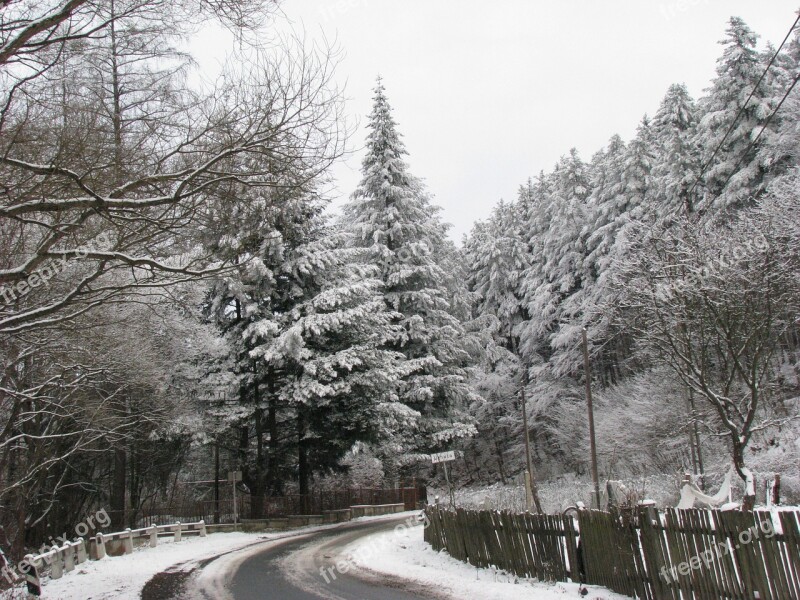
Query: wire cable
[[763, 129], [705, 167]]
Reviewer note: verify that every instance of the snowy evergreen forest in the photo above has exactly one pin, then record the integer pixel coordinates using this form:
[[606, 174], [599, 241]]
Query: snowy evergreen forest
[[178, 299], [677, 251]]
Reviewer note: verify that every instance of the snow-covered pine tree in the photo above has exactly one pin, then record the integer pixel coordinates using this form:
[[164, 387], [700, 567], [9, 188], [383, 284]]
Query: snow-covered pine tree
[[534, 332], [677, 162], [391, 216], [323, 340], [781, 152], [498, 256], [563, 256], [306, 325], [738, 71], [249, 413]]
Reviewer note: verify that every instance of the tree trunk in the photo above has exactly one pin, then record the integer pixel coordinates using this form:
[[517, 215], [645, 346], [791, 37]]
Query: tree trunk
[[260, 476], [696, 442], [303, 474], [118, 484], [749, 498], [273, 485], [500, 461]]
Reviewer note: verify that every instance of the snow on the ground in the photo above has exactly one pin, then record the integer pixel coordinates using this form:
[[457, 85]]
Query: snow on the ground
[[403, 553], [123, 577]]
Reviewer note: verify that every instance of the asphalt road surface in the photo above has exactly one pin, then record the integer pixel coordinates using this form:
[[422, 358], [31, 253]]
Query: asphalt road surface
[[293, 570]]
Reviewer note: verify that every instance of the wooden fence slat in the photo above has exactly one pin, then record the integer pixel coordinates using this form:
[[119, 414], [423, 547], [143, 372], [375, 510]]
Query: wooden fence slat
[[790, 529], [771, 553], [712, 576], [727, 555], [571, 542]]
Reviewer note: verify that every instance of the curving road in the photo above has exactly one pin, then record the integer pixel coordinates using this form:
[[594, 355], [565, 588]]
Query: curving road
[[302, 567]]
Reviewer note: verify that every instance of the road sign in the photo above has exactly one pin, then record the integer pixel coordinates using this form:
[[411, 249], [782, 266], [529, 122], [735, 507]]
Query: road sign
[[443, 457], [234, 476]]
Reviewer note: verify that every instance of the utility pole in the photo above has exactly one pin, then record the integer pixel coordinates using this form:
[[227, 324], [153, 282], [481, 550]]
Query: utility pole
[[531, 490], [696, 433], [592, 443], [234, 477]]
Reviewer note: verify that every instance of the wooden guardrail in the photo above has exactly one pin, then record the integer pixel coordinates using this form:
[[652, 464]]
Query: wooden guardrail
[[671, 555], [62, 559]]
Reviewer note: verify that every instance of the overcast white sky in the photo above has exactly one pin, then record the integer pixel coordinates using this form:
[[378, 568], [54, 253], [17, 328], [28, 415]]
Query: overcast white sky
[[487, 94]]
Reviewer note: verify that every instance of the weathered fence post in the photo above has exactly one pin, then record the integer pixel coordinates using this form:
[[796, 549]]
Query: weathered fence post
[[774, 490]]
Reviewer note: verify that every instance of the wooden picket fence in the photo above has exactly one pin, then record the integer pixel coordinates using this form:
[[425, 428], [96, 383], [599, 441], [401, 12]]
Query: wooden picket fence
[[670, 555]]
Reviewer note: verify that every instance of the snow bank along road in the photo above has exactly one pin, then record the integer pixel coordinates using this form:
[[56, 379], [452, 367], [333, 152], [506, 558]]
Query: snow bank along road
[[302, 567]]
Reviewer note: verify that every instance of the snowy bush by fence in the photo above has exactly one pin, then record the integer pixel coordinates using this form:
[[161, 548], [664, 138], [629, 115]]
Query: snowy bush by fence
[[559, 494]]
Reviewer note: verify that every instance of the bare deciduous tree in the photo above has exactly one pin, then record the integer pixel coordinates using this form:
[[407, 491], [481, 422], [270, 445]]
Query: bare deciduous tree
[[148, 167], [713, 304]]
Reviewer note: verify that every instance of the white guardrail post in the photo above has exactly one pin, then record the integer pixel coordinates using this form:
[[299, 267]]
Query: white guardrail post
[[81, 550], [100, 546], [154, 536], [69, 557], [178, 533], [56, 566], [128, 541]]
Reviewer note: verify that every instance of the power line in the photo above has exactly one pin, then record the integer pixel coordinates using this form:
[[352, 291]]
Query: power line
[[743, 107], [763, 129]]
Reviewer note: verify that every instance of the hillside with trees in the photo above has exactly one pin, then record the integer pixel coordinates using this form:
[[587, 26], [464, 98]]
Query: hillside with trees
[[677, 252], [178, 300]]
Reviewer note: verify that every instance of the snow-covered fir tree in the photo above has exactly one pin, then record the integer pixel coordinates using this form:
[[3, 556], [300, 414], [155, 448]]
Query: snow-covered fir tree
[[324, 341], [739, 69], [677, 163], [391, 216]]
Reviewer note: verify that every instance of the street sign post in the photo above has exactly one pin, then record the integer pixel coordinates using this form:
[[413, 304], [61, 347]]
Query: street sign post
[[444, 458], [233, 477]]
